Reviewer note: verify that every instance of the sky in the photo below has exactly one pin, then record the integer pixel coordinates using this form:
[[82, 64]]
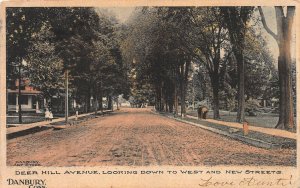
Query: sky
[[271, 22], [123, 13]]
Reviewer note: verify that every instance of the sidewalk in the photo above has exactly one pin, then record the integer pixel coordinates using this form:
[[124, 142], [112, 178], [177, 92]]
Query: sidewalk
[[24, 127], [267, 138], [269, 131]]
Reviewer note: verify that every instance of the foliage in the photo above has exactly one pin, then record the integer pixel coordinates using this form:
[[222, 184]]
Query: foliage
[[53, 40], [44, 67]]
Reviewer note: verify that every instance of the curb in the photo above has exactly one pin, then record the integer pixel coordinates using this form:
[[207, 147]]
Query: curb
[[247, 140], [26, 132], [48, 126]]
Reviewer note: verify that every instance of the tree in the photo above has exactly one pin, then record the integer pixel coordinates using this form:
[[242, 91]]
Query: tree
[[283, 39], [211, 40], [259, 65], [44, 66], [154, 58], [22, 24], [80, 41], [99, 68], [205, 39], [236, 19]]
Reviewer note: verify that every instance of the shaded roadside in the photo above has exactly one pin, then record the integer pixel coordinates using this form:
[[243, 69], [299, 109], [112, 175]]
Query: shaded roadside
[[260, 137]]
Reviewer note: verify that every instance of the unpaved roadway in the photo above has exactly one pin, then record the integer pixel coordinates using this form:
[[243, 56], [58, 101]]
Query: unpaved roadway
[[137, 137]]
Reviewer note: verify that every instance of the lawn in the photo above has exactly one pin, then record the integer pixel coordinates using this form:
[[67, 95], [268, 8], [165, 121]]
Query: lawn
[[261, 120]]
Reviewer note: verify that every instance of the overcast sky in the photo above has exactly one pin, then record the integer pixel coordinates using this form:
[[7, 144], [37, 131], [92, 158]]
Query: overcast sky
[[271, 21], [122, 13]]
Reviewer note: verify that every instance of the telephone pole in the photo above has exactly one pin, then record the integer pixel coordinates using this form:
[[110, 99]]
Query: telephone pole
[[66, 96]]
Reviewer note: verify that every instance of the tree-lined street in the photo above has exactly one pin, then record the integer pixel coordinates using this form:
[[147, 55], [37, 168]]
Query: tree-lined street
[[138, 137], [225, 64]]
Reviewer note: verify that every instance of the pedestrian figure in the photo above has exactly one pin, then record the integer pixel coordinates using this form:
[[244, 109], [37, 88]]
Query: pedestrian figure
[[47, 114], [50, 115]]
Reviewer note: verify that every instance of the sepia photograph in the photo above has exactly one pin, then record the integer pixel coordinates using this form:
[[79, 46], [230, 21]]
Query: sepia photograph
[[151, 86]]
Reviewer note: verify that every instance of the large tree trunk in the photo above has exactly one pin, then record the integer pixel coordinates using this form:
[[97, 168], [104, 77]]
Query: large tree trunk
[[237, 19], [283, 38], [280, 123], [241, 87], [289, 120], [286, 111]]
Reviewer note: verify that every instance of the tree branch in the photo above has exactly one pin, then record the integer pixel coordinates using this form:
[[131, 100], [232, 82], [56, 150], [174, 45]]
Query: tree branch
[[265, 24]]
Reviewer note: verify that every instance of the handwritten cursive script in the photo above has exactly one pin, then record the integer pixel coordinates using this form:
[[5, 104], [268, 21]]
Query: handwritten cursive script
[[246, 182]]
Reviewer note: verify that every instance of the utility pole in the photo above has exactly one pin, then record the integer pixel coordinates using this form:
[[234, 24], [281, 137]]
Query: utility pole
[[66, 96], [19, 95]]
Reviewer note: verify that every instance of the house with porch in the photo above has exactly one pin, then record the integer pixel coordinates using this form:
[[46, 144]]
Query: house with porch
[[30, 99]]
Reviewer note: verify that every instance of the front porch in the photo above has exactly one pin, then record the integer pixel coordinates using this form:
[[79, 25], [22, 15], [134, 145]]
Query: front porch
[[30, 101]]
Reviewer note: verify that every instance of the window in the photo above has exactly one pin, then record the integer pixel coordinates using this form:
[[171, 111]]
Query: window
[[24, 99], [11, 99]]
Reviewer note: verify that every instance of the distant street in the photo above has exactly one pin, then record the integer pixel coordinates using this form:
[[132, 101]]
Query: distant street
[[137, 137]]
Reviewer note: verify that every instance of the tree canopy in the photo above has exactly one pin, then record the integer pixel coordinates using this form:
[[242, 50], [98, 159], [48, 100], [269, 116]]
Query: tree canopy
[[165, 56]]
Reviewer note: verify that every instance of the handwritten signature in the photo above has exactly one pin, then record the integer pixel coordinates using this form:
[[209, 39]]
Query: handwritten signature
[[246, 182]]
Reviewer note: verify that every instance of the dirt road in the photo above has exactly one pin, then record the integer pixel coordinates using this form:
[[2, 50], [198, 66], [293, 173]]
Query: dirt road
[[137, 137]]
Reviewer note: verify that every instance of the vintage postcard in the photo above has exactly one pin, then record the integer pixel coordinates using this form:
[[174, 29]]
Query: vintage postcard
[[98, 94]]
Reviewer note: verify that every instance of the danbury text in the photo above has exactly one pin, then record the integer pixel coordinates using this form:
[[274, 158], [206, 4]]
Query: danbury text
[[26, 182]]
